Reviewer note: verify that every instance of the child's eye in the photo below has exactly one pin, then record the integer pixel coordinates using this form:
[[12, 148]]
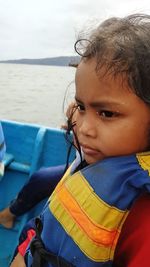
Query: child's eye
[[107, 114], [80, 107]]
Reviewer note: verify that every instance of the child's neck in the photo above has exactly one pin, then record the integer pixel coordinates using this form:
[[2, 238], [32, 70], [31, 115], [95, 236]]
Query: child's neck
[[81, 166]]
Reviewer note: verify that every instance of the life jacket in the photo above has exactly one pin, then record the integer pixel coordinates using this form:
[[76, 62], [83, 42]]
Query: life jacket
[[85, 214]]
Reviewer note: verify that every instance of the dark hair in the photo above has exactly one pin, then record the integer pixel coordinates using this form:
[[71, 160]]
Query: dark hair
[[122, 45]]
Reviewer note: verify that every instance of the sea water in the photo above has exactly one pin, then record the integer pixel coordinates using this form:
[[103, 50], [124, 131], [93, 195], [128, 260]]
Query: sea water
[[35, 93]]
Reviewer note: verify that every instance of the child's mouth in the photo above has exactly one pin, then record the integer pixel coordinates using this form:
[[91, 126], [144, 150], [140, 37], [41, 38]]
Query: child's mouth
[[89, 151]]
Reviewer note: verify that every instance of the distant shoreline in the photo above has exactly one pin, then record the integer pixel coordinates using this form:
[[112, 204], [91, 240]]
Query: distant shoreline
[[53, 61]]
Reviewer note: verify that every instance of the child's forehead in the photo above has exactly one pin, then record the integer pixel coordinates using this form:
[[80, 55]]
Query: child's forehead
[[103, 87], [87, 70]]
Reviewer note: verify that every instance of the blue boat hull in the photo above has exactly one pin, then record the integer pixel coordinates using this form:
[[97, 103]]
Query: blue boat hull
[[29, 147]]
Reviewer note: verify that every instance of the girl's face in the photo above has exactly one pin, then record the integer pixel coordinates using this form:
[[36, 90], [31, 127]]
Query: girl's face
[[111, 119]]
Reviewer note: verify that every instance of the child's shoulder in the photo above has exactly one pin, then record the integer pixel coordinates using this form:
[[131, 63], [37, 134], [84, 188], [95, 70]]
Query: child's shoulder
[[134, 241], [140, 213]]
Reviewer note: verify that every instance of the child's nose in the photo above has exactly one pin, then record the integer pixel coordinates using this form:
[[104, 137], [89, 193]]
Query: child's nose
[[87, 127]]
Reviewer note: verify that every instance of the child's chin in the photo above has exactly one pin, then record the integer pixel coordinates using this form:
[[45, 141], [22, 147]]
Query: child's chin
[[91, 160]]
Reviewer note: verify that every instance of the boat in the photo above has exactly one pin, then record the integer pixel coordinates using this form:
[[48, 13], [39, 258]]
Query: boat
[[28, 148]]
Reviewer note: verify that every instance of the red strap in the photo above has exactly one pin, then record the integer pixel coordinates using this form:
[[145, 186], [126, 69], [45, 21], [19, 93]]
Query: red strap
[[23, 246]]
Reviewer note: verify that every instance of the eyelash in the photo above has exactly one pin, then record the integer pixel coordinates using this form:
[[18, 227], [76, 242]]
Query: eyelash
[[102, 113], [80, 107], [107, 114]]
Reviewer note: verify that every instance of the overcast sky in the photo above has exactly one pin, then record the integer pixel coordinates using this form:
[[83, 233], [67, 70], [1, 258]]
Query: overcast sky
[[47, 28]]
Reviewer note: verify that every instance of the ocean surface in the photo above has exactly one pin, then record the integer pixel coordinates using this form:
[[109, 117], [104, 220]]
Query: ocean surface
[[35, 93]]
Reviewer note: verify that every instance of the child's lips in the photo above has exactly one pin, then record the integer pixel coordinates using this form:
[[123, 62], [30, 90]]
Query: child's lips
[[88, 150]]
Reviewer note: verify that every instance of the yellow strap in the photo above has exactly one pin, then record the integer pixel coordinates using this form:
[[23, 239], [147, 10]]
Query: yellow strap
[[144, 161], [92, 224]]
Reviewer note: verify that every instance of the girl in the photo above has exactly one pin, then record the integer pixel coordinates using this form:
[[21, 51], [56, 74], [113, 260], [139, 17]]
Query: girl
[[86, 214]]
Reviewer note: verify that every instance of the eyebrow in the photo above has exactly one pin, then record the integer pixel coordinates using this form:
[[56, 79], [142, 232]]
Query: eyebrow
[[101, 104]]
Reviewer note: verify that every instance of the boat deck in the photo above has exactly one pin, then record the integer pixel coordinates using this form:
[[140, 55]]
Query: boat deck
[[29, 147]]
